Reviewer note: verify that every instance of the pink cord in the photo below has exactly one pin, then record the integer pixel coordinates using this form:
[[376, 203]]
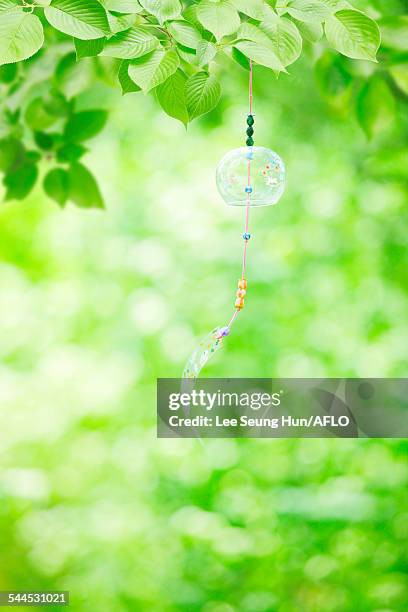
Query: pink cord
[[234, 316]]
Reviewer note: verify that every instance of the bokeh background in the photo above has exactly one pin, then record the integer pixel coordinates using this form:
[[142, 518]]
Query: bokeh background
[[95, 305]]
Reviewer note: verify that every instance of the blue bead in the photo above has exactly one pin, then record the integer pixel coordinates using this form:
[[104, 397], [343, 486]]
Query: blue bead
[[224, 331], [246, 236], [248, 189]]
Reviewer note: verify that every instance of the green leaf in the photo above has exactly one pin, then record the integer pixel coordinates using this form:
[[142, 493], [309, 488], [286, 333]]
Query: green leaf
[[120, 23], [56, 185], [133, 43], [11, 153], [20, 181], [12, 117], [184, 33], [394, 32], [126, 83], [162, 9], [308, 10], [285, 39], [240, 58], [45, 141], [172, 97], [84, 19], [206, 51], [72, 76], [400, 75], [151, 70], [190, 15], [336, 5], [107, 72], [85, 125], [252, 8], [219, 17], [7, 5], [123, 6], [353, 34], [202, 92], [70, 152], [187, 54], [55, 103], [83, 188], [33, 156], [312, 32], [21, 35], [332, 78], [250, 31], [260, 54], [37, 116], [88, 48], [8, 73], [375, 106]]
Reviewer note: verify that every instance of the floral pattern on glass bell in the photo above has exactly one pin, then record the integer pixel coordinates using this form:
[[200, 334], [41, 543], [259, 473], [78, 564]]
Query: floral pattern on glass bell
[[267, 181]]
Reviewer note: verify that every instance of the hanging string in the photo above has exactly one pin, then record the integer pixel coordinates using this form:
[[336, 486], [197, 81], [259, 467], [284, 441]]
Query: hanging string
[[224, 331], [274, 171], [213, 341]]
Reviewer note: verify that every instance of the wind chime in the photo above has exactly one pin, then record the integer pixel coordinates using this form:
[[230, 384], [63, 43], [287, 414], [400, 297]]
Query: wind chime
[[249, 176]]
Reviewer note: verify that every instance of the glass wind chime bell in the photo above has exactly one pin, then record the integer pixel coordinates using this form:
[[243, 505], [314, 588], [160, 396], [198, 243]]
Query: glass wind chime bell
[[267, 176], [249, 176]]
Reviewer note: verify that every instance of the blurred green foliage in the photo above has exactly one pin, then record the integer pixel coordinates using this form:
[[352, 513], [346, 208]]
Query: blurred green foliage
[[95, 305], [52, 52]]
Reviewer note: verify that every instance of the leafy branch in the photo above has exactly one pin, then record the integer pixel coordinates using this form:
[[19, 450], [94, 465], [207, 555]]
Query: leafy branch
[[166, 47]]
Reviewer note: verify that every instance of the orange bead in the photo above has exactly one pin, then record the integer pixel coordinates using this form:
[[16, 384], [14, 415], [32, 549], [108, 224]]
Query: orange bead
[[239, 303], [241, 293], [242, 284]]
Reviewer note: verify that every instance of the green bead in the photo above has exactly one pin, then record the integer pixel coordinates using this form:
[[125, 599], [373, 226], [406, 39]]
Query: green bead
[[250, 131], [250, 142], [250, 120]]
